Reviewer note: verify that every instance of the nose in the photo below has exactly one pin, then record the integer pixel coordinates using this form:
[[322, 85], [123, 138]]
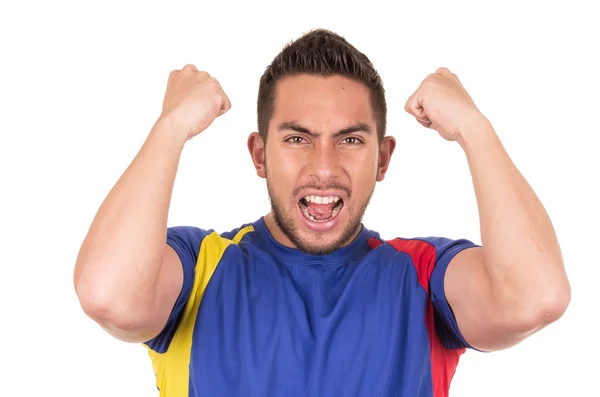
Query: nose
[[325, 163]]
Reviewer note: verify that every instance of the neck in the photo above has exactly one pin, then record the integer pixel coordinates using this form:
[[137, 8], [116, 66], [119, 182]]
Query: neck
[[276, 232]]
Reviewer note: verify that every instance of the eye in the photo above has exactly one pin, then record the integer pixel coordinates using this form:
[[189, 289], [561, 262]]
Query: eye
[[351, 140], [295, 140]]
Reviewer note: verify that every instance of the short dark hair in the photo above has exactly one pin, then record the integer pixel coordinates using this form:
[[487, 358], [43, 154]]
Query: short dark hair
[[324, 53]]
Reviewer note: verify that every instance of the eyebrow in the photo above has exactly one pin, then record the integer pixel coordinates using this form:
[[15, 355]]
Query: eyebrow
[[293, 126]]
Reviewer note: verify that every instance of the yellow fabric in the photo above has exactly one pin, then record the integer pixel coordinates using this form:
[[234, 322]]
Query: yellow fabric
[[172, 367]]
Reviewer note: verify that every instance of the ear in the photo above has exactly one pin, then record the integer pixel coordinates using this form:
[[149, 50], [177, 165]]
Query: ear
[[256, 147], [386, 149]]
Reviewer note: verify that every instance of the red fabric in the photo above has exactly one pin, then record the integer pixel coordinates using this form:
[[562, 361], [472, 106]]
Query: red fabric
[[443, 361]]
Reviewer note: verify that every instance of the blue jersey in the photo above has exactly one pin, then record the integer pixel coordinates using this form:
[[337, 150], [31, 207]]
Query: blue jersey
[[256, 318]]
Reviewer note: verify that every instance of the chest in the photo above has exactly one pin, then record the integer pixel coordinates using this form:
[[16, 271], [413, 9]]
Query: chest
[[309, 329]]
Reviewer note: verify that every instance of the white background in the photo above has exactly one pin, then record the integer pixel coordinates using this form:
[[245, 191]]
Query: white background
[[81, 84]]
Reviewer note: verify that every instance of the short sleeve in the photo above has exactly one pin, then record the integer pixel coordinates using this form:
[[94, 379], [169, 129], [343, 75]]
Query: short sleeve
[[186, 241], [445, 321]]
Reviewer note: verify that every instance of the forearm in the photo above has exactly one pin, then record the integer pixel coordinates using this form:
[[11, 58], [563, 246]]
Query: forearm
[[119, 262], [522, 254]]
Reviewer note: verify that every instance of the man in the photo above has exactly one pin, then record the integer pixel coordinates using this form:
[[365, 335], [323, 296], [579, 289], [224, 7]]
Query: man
[[306, 301]]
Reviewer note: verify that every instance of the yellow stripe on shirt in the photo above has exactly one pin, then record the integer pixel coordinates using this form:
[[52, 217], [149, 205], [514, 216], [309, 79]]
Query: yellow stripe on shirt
[[172, 367]]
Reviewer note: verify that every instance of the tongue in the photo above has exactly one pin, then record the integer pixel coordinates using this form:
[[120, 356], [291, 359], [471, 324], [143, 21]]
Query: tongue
[[320, 211]]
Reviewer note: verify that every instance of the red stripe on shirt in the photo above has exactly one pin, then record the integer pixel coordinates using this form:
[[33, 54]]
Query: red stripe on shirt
[[443, 361]]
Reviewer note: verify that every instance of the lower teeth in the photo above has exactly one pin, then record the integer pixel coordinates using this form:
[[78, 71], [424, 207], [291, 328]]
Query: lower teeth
[[335, 211]]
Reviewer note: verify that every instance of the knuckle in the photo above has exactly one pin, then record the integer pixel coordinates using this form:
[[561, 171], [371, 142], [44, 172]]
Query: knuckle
[[213, 82], [202, 77], [432, 79]]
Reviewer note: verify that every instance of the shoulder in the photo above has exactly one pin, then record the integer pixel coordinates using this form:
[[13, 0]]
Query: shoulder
[[425, 252], [237, 234], [194, 243], [195, 236], [187, 239], [421, 248]]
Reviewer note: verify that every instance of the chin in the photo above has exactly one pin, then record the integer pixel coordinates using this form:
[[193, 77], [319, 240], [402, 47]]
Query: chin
[[314, 244], [323, 237], [336, 228]]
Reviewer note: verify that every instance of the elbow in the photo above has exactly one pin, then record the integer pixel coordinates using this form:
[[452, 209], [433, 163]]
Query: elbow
[[123, 320], [101, 306], [554, 306], [543, 310], [554, 300]]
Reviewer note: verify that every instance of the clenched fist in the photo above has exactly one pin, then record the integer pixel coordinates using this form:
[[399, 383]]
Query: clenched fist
[[442, 103], [192, 101]]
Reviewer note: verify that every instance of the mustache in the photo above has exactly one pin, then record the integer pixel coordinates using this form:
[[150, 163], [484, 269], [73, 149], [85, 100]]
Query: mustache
[[328, 186]]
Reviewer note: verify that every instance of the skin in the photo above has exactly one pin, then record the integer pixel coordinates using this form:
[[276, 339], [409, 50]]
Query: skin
[[127, 279], [307, 153], [515, 284]]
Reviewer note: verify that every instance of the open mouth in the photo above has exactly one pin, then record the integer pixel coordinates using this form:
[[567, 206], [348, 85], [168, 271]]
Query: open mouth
[[321, 208]]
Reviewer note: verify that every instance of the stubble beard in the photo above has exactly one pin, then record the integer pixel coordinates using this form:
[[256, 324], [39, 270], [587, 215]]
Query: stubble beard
[[285, 220]]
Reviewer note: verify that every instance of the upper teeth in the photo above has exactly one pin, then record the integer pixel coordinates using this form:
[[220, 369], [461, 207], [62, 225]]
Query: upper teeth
[[322, 199]]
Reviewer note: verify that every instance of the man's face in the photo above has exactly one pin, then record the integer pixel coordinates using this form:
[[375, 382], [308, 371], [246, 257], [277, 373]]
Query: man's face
[[322, 160]]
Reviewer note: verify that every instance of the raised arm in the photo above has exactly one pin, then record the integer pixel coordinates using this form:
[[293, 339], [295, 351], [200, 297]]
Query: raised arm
[[515, 284], [126, 277]]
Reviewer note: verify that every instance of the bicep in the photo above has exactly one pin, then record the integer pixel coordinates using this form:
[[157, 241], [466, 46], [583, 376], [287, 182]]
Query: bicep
[[175, 284], [168, 289], [468, 291]]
